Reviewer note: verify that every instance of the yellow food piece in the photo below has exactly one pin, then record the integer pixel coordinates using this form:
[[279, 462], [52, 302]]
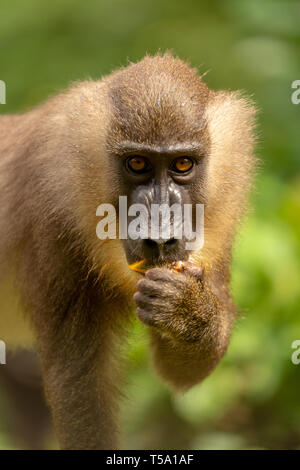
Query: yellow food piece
[[138, 266]]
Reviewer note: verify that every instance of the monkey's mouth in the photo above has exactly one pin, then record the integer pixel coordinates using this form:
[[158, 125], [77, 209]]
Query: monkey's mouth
[[140, 258], [142, 266]]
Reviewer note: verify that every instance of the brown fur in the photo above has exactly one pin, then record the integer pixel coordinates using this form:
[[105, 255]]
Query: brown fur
[[57, 164]]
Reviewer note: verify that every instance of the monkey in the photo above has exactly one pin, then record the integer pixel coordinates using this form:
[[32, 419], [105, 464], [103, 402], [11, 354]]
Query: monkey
[[154, 132]]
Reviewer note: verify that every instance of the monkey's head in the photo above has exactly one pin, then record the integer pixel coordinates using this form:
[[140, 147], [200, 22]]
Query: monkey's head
[[157, 142]]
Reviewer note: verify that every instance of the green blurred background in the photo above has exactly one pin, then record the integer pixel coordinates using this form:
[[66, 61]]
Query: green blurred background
[[252, 400]]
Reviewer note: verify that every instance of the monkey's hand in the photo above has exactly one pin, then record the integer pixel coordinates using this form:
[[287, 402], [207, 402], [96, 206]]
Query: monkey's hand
[[190, 325], [178, 304]]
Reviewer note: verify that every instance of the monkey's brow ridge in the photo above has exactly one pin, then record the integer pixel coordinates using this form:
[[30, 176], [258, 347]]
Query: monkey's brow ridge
[[176, 148]]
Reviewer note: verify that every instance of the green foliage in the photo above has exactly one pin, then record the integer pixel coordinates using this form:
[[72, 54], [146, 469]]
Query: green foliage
[[252, 399]]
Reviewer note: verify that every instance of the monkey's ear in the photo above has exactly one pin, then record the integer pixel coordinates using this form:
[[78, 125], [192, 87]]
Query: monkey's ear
[[231, 126], [231, 119]]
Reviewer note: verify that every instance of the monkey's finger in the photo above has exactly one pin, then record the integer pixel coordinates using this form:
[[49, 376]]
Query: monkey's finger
[[154, 303], [142, 300], [151, 288], [146, 316]]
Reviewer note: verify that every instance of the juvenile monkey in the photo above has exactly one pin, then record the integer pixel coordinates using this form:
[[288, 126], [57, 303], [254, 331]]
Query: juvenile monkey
[[155, 133]]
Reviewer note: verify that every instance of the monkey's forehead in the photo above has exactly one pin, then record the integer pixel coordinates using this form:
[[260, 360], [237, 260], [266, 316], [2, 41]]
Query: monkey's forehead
[[157, 99]]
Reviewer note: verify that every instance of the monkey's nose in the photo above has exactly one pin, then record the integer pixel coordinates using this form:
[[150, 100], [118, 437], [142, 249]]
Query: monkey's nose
[[158, 248]]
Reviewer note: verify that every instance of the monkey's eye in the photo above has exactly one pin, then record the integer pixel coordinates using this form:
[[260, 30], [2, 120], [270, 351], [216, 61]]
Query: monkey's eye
[[182, 164], [138, 164]]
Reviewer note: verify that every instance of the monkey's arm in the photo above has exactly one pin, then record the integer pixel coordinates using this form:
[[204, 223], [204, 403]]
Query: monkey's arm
[[80, 378], [190, 325], [77, 347]]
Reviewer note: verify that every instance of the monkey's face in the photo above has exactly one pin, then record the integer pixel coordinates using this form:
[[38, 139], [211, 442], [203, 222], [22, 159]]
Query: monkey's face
[[159, 187]]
